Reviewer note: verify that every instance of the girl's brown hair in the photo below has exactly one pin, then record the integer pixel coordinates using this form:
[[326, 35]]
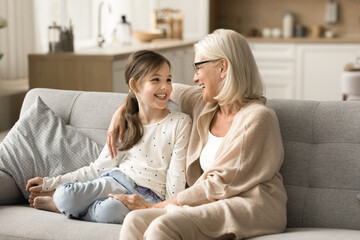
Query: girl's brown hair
[[138, 65]]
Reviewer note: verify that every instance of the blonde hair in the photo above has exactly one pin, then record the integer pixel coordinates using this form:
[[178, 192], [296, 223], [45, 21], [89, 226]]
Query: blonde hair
[[243, 80], [138, 65]]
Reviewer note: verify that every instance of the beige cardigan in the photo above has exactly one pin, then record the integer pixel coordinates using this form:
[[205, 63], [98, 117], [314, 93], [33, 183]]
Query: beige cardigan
[[242, 193]]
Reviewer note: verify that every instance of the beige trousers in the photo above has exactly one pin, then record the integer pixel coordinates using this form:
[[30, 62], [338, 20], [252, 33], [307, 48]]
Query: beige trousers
[[160, 225]]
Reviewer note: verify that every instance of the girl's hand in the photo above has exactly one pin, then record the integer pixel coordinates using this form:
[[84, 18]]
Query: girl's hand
[[34, 184], [133, 202], [116, 130]]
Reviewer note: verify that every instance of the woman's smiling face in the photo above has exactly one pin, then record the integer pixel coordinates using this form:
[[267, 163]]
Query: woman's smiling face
[[208, 77]]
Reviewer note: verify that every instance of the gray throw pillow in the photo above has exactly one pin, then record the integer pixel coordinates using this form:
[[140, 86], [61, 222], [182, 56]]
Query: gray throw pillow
[[41, 144]]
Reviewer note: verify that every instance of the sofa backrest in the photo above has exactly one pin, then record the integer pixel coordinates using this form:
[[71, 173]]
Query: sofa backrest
[[321, 168], [88, 112]]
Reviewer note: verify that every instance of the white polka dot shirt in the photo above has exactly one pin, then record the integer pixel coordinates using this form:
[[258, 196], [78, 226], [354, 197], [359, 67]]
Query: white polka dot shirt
[[157, 161]]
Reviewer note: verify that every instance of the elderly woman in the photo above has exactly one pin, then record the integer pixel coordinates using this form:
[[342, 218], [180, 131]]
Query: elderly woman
[[233, 159]]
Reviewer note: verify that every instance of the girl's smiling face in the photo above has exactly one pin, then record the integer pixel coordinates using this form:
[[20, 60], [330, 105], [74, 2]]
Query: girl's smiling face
[[154, 89]]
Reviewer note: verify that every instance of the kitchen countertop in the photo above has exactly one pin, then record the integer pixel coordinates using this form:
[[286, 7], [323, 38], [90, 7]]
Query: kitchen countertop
[[118, 51], [305, 40]]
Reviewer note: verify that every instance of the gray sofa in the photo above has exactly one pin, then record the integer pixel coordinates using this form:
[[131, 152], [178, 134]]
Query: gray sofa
[[321, 169]]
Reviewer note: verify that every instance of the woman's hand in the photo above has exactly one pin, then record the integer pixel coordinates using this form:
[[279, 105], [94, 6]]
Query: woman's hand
[[34, 184], [116, 130], [133, 202]]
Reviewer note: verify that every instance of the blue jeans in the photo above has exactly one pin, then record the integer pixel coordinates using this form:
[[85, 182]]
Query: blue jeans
[[89, 201]]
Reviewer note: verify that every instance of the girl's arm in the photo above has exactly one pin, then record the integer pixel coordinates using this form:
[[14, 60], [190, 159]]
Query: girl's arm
[[103, 164]]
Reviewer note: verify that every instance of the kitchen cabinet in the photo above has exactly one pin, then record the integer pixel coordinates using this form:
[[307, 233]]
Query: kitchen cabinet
[[309, 71], [103, 69], [276, 63], [320, 68]]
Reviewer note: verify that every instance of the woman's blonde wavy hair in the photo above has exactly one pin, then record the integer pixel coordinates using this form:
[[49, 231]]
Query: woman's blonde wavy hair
[[243, 81]]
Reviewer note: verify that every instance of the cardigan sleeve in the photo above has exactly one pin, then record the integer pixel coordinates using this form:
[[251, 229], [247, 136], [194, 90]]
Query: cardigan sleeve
[[187, 97], [250, 154]]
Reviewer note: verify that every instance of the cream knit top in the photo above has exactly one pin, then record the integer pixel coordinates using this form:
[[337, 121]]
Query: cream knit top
[[242, 193]]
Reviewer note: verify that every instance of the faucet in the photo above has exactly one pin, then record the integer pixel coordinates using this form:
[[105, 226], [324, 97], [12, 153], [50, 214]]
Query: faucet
[[100, 37]]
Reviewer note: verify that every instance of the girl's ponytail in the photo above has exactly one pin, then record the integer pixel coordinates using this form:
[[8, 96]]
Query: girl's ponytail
[[134, 128]]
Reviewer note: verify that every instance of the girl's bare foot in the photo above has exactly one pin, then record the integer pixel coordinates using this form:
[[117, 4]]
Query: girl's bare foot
[[33, 195], [45, 203]]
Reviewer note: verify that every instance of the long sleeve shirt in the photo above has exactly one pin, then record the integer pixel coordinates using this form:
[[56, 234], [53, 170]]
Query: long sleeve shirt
[[157, 161]]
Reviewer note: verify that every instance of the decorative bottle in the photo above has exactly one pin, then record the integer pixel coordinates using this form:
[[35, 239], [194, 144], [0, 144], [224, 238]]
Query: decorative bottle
[[288, 25], [123, 31]]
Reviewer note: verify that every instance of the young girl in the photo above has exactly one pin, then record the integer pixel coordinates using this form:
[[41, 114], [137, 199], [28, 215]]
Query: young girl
[[150, 161]]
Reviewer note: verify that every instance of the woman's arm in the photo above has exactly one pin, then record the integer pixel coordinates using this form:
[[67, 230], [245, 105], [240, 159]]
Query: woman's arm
[[187, 97], [116, 130], [134, 201]]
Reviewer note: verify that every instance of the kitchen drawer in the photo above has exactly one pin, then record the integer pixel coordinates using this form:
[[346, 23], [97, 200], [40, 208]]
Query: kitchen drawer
[[271, 51], [277, 72]]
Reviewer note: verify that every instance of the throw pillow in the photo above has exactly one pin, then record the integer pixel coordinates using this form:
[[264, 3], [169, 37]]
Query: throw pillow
[[41, 144]]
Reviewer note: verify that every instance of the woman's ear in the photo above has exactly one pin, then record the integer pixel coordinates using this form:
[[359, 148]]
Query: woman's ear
[[132, 85], [224, 68]]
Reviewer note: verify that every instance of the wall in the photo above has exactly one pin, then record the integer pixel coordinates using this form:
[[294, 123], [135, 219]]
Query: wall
[[17, 39], [245, 15]]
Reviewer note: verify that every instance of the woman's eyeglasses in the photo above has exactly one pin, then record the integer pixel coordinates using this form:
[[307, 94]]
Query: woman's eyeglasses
[[196, 65]]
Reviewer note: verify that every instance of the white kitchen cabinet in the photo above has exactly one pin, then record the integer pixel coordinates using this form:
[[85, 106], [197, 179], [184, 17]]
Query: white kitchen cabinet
[[276, 63], [320, 67], [303, 70]]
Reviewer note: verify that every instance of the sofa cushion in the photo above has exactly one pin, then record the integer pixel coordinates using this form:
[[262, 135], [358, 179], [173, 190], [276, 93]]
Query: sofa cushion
[[9, 192], [41, 144], [311, 234], [321, 167], [23, 222]]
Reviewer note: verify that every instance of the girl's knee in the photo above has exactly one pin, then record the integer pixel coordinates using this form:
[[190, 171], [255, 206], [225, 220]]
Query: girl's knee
[[110, 211], [66, 201]]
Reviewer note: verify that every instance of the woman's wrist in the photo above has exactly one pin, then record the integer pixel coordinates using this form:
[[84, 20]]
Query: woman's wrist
[[163, 204]]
